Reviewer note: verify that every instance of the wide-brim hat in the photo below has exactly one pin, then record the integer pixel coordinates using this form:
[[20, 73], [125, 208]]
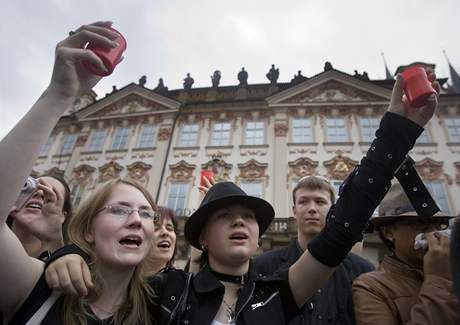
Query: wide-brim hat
[[220, 195], [396, 206]]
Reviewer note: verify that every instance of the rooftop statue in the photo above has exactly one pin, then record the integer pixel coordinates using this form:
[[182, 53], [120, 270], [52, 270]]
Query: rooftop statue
[[188, 82], [273, 74], [298, 78], [161, 88], [215, 79], [328, 66], [243, 78], [142, 81]]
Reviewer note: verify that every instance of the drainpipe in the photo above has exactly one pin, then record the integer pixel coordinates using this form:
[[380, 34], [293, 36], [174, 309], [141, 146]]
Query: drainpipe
[[163, 170]]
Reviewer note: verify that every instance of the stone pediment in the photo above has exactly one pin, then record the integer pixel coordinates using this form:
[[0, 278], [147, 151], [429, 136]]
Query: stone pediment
[[130, 105], [333, 91], [131, 100], [330, 87]]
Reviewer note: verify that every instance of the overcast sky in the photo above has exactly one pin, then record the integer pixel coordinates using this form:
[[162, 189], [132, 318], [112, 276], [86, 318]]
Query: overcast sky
[[170, 38]]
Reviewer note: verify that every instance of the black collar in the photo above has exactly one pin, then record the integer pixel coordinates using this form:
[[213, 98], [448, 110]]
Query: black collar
[[240, 279]]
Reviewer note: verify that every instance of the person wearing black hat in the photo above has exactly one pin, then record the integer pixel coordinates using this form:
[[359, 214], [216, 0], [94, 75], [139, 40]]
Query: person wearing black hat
[[228, 223], [413, 284]]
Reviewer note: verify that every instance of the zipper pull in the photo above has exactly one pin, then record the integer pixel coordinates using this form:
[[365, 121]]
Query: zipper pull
[[257, 305]]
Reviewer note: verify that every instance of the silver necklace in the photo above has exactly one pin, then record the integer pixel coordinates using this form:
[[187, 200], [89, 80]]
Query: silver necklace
[[230, 311]]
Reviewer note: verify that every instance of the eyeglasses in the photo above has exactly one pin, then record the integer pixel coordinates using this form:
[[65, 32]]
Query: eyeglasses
[[425, 225], [124, 211]]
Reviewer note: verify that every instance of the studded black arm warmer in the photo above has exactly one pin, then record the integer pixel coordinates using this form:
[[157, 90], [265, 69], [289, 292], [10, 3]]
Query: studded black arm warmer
[[364, 188]]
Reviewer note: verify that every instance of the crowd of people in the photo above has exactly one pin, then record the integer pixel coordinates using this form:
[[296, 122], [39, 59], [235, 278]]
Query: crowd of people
[[112, 261]]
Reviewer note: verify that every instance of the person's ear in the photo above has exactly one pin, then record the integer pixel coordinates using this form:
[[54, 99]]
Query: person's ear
[[89, 237], [388, 232], [294, 211], [203, 245]]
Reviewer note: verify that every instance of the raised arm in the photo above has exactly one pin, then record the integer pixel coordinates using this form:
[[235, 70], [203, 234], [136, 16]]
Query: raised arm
[[361, 193], [21, 147]]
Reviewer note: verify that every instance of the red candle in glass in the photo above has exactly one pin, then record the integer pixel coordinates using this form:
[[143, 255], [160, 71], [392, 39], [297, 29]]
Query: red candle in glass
[[110, 56], [208, 174], [417, 87]]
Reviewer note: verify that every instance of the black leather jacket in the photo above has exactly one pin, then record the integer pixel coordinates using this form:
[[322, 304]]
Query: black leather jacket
[[333, 303], [262, 300]]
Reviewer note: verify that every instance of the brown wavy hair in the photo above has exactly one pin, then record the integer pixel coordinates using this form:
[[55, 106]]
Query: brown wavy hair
[[135, 308]]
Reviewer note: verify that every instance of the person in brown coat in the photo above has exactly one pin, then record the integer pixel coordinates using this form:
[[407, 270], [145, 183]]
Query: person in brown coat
[[411, 286]]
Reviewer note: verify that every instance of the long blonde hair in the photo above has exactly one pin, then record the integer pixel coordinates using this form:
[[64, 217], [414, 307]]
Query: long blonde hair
[[134, 309]]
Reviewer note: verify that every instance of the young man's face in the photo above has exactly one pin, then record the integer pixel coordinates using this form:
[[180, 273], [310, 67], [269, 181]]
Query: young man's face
[[310, 210]]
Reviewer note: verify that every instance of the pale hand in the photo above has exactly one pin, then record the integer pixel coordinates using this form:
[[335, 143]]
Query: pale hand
[[70, 78], [421, 115], [69, 274], [208, 184], [436, 259]]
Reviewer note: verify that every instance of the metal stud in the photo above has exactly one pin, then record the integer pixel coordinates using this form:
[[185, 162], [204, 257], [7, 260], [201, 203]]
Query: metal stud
[[415, 189], [370, 180], [424, 205], [389, 156], [346, 224], [173, 298], [332, 216], [372, 148]]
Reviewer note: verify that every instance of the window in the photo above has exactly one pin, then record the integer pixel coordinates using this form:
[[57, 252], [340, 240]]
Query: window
[[436, 189], [120, 141], [177, 197], [147, 137], [76, 193], [253, 188], [336, 130], [254, 133], [97, 140], [368, 127], [189, 135], [68, 142], [336, 184], [424, 137], [221, 134], [453, 128], [301, 130], [46, 147]]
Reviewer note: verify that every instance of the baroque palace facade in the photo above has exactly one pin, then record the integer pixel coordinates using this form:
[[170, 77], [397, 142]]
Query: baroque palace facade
[[264, 137]]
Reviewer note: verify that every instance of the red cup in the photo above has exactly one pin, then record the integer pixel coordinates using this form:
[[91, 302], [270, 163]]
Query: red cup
[[417, 87], [206, 173], [110, 56]]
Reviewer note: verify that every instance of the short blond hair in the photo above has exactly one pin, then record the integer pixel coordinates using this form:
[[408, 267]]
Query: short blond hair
[[313, 183]]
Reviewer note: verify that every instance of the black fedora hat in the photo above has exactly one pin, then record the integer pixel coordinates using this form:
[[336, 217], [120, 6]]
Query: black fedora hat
[[220, 195]]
